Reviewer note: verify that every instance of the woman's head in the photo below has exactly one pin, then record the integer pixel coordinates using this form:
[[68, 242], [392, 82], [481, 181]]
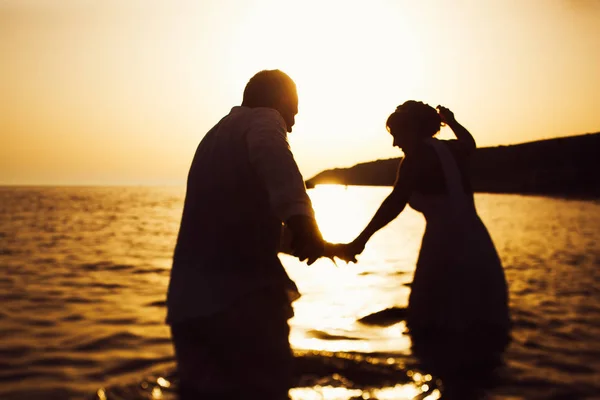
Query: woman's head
[[412, 122]]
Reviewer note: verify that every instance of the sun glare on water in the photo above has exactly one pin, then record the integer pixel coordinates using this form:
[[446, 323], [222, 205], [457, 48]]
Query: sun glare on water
[[338, 212]]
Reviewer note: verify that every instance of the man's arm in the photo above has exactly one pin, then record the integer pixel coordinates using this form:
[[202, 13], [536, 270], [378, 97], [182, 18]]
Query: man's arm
[[272, 159]]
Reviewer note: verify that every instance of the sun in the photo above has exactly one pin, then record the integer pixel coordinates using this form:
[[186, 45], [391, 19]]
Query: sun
[[338, 53]]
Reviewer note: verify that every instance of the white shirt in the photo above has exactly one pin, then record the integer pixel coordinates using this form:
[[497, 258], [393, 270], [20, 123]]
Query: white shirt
[[272, 159], [242, 185]]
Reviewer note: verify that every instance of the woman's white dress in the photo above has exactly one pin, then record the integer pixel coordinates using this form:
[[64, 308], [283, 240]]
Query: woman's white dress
[[459, 283]]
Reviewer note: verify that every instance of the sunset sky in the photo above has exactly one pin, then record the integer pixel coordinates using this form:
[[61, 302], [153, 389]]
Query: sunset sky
[[121, 92]]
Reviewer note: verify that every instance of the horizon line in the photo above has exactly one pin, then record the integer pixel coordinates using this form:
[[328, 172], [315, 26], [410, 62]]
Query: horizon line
[[183, 181]]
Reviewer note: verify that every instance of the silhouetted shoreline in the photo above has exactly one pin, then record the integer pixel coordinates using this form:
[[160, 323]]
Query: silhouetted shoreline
[[561, 167]]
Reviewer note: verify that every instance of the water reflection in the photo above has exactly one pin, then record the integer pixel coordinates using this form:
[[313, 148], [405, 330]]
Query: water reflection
[[338, 212], [398, 392], [163, 382], [335, 298]]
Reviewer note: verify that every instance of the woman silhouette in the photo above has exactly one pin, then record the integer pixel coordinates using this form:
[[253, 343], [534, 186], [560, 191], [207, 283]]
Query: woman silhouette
[[457, 314]]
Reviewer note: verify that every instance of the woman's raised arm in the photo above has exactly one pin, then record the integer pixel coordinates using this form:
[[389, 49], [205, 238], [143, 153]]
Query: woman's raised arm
[[462, 134]]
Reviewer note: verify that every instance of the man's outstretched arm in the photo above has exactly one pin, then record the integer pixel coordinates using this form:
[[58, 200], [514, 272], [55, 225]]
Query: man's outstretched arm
[[273, 161]]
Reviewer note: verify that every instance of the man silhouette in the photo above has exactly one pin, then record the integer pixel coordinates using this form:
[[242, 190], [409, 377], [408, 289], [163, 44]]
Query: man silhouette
[[229, 297]]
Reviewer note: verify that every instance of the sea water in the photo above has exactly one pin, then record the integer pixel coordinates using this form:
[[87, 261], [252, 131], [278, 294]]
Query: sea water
[[84, 272]]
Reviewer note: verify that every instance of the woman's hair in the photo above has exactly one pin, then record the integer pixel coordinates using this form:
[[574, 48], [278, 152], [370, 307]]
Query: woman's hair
[[421, 118]]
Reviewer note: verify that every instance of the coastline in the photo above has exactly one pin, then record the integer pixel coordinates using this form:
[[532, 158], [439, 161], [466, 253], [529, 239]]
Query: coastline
[[560, 168]]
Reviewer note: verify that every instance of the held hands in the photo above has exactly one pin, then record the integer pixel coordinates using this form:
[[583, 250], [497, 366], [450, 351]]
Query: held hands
[[315, 250], [346, 252], [308, 248], [301, 238]]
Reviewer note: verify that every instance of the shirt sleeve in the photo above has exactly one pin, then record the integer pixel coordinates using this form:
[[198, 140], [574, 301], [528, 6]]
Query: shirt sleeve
[[272, 159]]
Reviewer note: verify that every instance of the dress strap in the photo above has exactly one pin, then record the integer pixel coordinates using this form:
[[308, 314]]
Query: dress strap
[[451, 172]]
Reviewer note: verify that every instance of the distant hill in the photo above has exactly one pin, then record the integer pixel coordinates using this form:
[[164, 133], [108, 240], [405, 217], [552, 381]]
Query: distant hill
[[568, 166]]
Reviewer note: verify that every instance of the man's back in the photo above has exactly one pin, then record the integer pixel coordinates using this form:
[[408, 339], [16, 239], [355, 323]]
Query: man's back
[[229, 236], [229, 296]]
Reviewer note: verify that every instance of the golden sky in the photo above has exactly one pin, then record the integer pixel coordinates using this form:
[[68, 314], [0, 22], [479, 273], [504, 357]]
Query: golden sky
[[121, 91]]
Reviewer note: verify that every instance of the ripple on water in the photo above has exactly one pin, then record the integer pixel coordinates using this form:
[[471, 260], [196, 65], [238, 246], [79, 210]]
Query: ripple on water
[[386, 317], [40, 299], [525, 323], [9, 333], [136, 364], [106, 266], [14, 352], [73, 318], [116, 321], [8, 252], [317, 334], [45, 260], [41, 323], [66, 360], [151, 271], [79, 300], [567, 367], [119, 340], [159, 303], [108, 286]]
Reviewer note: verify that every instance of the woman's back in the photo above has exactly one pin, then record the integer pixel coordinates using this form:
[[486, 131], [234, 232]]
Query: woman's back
[[431, 177], [442, 189]]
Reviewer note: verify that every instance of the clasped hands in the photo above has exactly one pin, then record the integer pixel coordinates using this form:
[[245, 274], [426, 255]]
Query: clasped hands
[[344, 251], [302, 239]]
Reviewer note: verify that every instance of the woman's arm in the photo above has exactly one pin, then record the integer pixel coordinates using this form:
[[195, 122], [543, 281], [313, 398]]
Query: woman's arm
[[462, 134], [392, 206]]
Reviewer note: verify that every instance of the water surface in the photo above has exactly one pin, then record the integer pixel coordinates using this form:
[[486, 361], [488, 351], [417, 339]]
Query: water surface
[[83, 275]]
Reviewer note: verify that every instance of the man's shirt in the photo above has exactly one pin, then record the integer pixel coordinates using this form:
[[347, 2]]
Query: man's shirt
[[243, 183]]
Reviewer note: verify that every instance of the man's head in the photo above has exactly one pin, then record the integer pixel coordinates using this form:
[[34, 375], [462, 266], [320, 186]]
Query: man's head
[[274, 89]]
